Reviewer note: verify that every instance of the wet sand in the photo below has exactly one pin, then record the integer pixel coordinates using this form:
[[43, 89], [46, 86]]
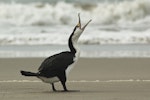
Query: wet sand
[[92, 79]]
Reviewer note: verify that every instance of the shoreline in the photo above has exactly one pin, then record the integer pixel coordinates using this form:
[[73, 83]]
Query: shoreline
[[87, 51]]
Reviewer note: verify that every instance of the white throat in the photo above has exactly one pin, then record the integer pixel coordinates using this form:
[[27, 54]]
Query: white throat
[[77, 54]]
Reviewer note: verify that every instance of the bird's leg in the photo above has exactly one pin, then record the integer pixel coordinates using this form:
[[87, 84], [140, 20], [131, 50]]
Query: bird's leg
[[53, 87], [64, 86], [63, 79]]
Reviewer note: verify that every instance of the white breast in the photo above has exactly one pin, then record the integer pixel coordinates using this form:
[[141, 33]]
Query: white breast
[[49, 80], [70, 67]]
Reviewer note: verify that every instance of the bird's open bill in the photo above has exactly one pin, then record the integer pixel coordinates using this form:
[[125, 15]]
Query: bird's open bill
[[79, 23]]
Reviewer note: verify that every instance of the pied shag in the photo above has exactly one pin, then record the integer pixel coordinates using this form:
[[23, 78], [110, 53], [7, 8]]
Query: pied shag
[[56, 67]]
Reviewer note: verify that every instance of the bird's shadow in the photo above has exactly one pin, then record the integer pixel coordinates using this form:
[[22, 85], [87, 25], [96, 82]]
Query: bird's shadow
[[76, 91], [62, 91], [73, 91]]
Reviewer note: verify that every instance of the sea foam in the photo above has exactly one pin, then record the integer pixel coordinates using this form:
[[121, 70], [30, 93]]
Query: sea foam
[[125, 22], [125, 12]]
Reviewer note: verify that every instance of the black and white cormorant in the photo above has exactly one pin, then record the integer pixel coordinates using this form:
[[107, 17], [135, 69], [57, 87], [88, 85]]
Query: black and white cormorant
[[56, 67]]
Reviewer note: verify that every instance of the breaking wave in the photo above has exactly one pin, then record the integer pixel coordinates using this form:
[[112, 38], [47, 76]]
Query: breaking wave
[[125, 22], [125, 12], [91, 36]]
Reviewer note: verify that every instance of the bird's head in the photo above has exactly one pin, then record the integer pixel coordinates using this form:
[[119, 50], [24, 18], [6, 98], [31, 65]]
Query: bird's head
[[79, 29]]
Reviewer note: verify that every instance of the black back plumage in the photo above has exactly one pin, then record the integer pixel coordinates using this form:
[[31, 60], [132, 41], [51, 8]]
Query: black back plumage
[[52, 65]]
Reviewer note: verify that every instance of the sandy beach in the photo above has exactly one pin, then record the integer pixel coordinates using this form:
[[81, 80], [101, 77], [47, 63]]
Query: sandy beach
[[92, 79]]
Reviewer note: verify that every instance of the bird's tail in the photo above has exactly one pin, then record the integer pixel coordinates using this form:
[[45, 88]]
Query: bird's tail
[[26, 73]]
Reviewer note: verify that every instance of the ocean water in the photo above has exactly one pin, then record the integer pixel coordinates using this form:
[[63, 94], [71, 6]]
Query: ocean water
[[39, 28]]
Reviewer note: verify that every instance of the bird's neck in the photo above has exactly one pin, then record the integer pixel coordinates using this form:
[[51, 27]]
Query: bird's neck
[[73, 44]]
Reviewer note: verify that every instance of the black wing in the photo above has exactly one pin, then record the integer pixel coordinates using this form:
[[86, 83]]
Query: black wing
[[56, 62]]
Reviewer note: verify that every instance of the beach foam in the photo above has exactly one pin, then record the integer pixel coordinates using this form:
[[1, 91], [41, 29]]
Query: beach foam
[[74, 81]]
